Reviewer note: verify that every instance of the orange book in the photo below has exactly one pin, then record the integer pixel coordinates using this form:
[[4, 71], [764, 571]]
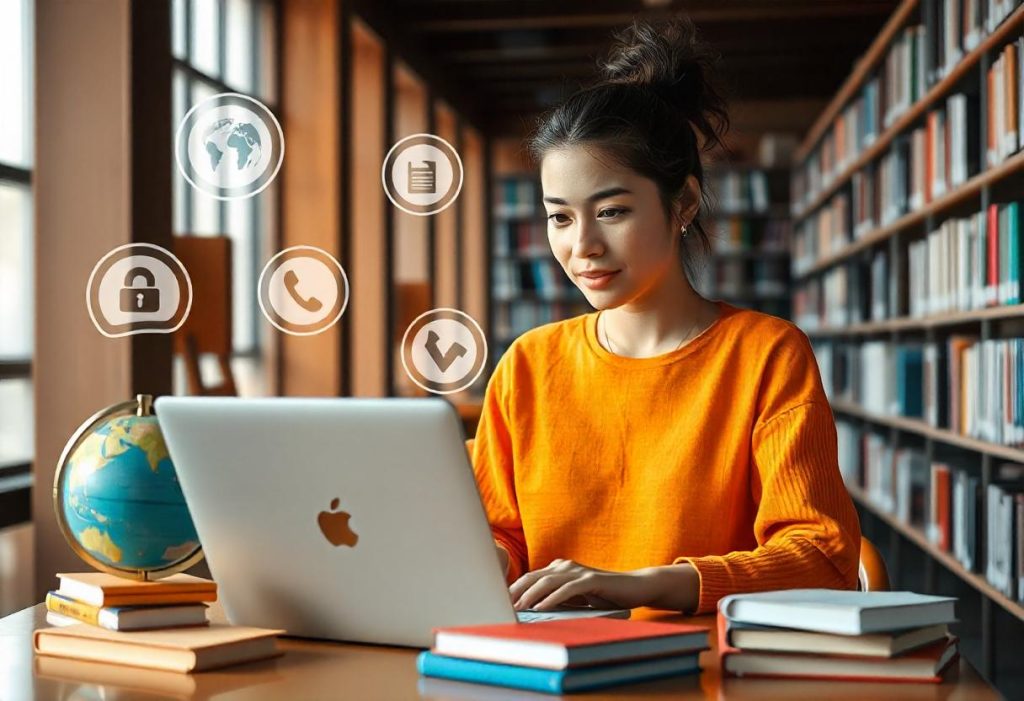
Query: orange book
[[171, 649], [929, 159], [990, 115], [926, 664], [101, 589], [562, 644]]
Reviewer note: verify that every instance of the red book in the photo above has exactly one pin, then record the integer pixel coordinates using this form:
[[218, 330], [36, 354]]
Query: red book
[[923, 665], [940, 505], [561, 644], [992, 238]]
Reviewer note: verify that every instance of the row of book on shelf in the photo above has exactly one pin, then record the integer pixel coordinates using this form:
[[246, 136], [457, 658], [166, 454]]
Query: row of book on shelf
[[520, 237], [517, 197], [738, 233], [965, 264], [969, 386], [740, 191], [736, 277], [919, 56], [945, 502], [538, 278]]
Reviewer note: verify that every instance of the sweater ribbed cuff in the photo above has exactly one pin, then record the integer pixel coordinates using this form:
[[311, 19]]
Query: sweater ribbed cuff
[[715, 581]]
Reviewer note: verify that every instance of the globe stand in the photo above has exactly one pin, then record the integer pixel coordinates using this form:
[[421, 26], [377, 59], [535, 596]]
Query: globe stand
[[142, 405]]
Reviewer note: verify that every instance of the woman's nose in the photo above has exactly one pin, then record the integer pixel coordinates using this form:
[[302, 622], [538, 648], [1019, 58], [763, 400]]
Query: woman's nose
[[588, 240]]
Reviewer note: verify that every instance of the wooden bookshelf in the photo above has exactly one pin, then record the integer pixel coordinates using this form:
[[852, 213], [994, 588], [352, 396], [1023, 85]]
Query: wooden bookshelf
[[732, 270], [919, 539], [989, 185], [516, 307], [938, 91], [957, 196], [925, 430]]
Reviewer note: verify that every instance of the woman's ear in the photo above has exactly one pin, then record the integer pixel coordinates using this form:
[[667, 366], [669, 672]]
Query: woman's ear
[[688, 203]]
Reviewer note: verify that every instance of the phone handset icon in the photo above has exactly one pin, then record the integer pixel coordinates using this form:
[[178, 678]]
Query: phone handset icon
[[291, 281]]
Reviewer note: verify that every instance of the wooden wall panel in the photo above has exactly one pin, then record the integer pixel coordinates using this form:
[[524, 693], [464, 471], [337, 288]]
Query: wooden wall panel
[[367, 272], [99, 182], [445, 242], [310, 365]]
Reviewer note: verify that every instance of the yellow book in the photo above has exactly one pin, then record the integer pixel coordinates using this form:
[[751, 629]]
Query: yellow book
[[173, 649], [127, 617]]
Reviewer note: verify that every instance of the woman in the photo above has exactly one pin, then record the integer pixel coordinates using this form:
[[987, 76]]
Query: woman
[[665, 450]]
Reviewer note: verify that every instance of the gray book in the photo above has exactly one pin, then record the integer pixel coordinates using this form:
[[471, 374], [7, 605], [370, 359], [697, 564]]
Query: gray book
[[841, 612]]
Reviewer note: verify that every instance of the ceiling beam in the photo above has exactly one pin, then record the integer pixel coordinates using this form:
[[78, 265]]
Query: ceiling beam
[[705, 15]]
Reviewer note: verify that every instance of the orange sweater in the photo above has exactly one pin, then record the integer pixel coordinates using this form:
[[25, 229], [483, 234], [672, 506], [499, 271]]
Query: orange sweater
[[721, 453]]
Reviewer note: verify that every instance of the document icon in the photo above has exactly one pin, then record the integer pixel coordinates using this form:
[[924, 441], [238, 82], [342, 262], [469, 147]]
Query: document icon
[[423, 179]]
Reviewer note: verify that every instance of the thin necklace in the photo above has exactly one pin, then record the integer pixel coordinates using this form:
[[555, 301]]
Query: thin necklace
[[608, 342]]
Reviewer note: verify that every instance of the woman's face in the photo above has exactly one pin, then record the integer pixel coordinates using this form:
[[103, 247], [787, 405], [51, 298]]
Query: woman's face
[[607, 227]]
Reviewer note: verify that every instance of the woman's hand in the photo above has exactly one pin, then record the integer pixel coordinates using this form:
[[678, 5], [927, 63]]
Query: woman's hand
[[565, 582]]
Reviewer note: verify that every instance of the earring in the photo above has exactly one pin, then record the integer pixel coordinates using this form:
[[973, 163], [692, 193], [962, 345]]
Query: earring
[[683, 230]]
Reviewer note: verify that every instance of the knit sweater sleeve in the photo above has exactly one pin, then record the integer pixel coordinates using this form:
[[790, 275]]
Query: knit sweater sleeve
[[806, 527], [493, 466]]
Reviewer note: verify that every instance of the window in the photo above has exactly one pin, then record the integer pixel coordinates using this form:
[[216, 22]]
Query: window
[[16, 239], [227, 46]]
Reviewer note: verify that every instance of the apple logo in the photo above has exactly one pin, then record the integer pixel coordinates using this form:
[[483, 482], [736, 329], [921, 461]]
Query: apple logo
[[334, 525]]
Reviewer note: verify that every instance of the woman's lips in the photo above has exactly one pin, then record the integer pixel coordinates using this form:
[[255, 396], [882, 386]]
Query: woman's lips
[[598, 282]]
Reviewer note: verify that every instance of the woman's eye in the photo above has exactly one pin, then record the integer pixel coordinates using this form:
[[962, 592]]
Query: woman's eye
[[611, 212], [558, 218]]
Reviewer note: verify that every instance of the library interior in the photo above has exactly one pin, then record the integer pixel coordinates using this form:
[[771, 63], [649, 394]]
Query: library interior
[[867, 193]]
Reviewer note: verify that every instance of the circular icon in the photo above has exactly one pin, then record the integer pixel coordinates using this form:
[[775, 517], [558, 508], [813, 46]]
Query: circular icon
[[444, 351], [229, 146], [422, 174], [303, 290], [138, 288]]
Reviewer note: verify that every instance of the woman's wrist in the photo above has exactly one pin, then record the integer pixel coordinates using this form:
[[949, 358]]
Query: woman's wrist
[[671, 587]]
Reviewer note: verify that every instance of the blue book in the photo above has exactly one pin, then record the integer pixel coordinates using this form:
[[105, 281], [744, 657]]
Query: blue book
[[554, 681]]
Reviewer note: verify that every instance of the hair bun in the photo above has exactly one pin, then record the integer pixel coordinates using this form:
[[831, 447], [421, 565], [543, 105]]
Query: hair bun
[[669, 59]]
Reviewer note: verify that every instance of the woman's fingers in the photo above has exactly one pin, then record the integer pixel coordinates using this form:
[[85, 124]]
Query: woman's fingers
[[543, 586], [527, 580], [577, 587]]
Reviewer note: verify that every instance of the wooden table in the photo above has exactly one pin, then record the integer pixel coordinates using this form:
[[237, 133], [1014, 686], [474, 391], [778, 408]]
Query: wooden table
[[318, 670]]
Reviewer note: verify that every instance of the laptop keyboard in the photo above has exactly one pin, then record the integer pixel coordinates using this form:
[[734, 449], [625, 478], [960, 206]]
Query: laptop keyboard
[[531, 616]]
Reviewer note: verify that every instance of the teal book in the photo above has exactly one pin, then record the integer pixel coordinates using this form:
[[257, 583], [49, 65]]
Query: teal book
[[1013, 215], [554, 681]]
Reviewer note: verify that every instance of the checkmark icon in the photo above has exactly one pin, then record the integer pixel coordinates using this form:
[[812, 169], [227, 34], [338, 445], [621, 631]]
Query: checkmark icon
[[444, 360]]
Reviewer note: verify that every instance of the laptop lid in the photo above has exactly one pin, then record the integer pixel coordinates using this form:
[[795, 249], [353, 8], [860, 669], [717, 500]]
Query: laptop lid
[[346, 519]]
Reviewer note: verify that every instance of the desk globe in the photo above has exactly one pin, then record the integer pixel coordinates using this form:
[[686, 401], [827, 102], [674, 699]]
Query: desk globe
[[117, 497]]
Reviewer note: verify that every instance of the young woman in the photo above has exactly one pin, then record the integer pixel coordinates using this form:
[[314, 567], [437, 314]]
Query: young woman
[[665, 450]]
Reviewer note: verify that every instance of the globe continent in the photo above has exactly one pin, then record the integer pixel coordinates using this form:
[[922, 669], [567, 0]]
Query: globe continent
[[121, 498]]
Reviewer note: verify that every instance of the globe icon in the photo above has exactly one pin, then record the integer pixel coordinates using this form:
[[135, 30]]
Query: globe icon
[[117, 497], [227, 136]]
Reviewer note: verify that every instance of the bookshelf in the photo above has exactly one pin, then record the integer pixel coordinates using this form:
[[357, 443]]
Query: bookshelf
[[906, 262], [750, 238], [528, 286]]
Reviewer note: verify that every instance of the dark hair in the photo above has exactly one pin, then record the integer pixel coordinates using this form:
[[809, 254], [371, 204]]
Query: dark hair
[[653, 109]]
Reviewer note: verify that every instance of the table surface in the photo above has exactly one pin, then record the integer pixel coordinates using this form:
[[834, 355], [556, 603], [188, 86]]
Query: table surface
[[322, 670]]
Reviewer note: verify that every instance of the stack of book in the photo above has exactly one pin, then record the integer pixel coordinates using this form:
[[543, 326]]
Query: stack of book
[[115, 603], [564, 656], [823, 633], [159, 625]]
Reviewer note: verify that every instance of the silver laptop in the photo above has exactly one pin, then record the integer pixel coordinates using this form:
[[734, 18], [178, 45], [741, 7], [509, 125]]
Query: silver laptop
[[346, 519]]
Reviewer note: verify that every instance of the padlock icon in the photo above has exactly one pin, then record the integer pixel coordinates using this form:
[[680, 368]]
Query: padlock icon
[[140, 299]]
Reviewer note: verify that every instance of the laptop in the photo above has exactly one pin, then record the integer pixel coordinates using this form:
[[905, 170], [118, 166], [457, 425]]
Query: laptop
[[343, 519]]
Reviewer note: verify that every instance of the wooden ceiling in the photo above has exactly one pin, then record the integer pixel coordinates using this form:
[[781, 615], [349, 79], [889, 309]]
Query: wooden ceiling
[[511, 59]]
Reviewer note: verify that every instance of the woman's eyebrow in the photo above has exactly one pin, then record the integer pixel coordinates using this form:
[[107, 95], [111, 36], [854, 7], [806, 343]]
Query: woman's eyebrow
[[599, 195]]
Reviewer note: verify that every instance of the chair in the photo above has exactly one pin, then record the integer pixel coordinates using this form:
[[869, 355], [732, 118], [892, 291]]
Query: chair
[[208, 327], [872, 574]]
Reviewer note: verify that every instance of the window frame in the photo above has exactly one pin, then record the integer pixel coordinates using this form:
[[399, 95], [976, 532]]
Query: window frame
[[253, 346]]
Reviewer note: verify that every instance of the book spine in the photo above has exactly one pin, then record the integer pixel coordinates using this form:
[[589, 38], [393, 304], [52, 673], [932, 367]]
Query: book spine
[[73, 609]]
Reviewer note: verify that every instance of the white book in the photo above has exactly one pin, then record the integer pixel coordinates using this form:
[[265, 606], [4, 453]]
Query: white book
[[841, 612]]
